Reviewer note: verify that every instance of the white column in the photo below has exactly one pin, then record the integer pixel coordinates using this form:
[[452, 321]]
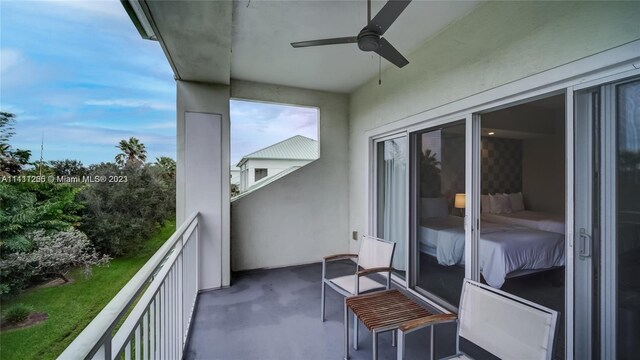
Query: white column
[[202, 177]]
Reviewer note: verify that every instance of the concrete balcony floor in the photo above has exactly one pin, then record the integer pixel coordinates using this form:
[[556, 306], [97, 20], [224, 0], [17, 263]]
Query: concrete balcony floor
[[275, 314]]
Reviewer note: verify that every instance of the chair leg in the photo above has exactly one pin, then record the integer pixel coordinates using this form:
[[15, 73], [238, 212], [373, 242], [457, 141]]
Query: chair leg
[[355, 332], [324, 285], [374, 341], [433, 342], [346, 332]]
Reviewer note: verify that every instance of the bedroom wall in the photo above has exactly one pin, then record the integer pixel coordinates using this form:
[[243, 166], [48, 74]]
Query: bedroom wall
[[303, 216], [543, 165], [496, 44]]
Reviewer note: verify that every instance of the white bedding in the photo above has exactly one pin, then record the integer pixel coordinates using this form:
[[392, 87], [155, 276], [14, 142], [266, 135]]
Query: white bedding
[[503, 248], [531, 219]]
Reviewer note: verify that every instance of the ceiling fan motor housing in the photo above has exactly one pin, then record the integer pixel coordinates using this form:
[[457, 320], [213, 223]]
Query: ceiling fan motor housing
[[368, 40]]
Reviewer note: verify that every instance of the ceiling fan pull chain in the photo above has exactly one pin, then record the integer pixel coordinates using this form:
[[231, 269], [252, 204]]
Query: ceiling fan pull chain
[[379, 70]]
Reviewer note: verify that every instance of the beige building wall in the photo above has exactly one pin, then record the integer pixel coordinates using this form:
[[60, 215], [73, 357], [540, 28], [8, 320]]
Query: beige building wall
[[497, 44]]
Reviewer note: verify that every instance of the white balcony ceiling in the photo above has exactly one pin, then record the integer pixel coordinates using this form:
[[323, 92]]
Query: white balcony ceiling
[[261, 33]]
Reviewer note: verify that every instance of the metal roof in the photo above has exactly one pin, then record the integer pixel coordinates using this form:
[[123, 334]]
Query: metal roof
[[297, 148]]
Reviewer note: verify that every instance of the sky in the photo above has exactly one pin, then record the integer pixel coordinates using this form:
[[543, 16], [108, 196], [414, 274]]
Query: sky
[[78, 75]]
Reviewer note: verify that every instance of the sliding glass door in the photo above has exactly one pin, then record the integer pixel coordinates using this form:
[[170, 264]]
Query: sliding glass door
[[391, 197], [438, 192], [607, 222]]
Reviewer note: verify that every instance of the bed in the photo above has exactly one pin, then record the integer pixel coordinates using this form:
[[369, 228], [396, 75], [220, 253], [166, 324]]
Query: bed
[[531, 219], [504, 248]]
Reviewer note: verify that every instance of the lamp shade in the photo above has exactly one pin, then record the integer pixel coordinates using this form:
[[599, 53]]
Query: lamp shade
[[460, 201]]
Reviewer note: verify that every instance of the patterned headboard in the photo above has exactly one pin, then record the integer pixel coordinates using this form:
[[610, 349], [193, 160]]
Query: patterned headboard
[[501, 165]]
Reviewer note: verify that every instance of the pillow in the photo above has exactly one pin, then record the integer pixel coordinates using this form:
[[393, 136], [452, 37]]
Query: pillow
[[500, 204], [517, 204], [434, 208], [485, 203]]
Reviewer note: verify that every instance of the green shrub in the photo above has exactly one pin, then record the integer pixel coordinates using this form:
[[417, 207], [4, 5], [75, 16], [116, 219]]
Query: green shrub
[[17, 313], [119, 216], [25, 207]]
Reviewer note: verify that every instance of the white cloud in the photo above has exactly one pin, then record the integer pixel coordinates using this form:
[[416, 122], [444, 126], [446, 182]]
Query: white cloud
[[162, 125], [132, 103], [103, 8], [8, 59]]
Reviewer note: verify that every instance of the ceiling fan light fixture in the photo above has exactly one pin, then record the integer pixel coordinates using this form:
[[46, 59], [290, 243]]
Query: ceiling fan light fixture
[[368, 42]]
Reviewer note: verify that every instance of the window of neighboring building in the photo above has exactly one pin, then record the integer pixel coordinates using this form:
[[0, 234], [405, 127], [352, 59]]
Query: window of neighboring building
[[260, 174]]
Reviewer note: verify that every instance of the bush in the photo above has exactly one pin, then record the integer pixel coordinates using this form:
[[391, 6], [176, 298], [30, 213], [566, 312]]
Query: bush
[[119, 216], [54, 254], [25, 207], [17, 313]]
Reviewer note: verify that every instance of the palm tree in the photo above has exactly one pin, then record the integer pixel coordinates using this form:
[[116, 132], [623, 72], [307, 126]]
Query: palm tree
[[168, 165], [133, 152], [430, 181]]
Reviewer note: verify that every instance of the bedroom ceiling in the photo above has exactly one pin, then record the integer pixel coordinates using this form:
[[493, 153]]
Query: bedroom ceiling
[[214, 41], [540, 118]]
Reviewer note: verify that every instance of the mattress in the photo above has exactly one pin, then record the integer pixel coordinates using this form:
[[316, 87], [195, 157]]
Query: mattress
[[531, 219], [504, 249]]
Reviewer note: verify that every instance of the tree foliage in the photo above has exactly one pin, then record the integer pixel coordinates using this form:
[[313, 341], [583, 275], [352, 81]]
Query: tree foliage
[[133, 153], [430, 181], [7, 121], [118, 217], [11, 161], [68, 167], [54, 254], [25, 207], [168, 166]]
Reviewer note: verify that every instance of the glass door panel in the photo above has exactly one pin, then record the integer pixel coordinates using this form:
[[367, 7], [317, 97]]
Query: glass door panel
[[439, 191], [607, 222], [391, 198], [628, 219]]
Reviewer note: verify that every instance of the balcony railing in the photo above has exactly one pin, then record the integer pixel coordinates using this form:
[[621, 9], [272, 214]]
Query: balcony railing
[[150, 317]]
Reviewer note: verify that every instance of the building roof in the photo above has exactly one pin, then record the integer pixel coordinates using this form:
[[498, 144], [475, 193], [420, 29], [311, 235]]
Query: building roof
[[294, 148]]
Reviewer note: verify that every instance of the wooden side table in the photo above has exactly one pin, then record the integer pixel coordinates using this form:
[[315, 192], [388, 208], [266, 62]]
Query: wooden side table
[[380, 312]]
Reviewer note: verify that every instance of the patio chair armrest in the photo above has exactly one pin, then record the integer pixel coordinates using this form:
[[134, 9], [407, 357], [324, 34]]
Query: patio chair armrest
[[373, 270], [427, 321], [339, 257]]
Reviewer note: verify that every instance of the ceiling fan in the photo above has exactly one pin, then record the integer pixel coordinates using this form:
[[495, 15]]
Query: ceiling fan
[[370, 37]]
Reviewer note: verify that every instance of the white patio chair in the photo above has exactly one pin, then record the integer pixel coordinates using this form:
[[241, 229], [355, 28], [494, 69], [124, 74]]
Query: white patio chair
[[374, 257], [503, 324]]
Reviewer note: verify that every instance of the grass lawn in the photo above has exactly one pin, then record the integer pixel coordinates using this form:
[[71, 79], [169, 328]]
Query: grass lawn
[[71, 307]]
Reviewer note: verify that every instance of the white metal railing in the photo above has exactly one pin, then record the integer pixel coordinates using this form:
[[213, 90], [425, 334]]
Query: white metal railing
[[150, 317]]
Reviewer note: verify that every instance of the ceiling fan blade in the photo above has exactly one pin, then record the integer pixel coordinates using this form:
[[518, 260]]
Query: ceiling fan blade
[[387, 51], [387, 15], [334, 41]]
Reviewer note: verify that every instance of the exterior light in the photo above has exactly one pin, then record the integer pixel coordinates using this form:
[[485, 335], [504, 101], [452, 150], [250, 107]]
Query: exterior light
[[139, 18]]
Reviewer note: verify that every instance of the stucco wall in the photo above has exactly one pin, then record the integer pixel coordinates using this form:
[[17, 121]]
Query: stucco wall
[[543, 168], [498, 43], [304, 215]]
